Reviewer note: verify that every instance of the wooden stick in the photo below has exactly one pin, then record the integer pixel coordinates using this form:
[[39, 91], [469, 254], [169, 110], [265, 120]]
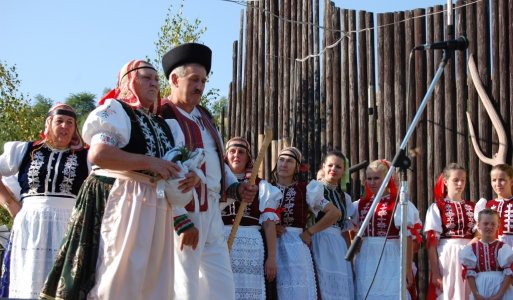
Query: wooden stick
[[260, 158]]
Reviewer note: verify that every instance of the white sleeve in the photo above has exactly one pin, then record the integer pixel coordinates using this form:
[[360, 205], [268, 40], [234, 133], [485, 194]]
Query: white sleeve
[[315, 196], [433, 220], [107, 124], [11, 159], [178, 211], [229, 177], [468, 260], [411, 219], [356, 213], [352, 214], [505, 259], [480, 205], [11, 183], [176, 130], [269, 198]]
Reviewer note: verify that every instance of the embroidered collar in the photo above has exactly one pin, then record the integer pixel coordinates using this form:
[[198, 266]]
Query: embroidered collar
[[329, 185]]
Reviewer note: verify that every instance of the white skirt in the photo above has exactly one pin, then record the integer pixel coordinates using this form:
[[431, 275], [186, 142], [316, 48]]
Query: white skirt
[[489, 283], [135, 258], [335, 274], [387, 279], [450, 268], [247, 259], [37, 234], [295, 278]]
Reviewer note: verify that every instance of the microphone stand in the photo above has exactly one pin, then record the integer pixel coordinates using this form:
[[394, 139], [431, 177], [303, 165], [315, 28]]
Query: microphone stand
[[401, 161]]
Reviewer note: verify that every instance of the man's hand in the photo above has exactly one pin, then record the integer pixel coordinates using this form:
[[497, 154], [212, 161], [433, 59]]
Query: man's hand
[[189, 237], [247, 192]]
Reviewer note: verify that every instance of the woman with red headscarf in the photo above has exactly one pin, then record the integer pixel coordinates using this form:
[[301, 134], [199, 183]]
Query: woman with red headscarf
[[50, 173], [378, 275], [449, 227], [120, 241]]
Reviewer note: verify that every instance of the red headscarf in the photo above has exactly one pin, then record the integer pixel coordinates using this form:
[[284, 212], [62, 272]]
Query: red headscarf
[[440, 191], [125, 90], [391, 185]]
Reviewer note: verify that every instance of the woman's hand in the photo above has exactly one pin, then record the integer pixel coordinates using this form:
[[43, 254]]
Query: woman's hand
[[164, 168], [189, 182], [270, 268], [306, 237]]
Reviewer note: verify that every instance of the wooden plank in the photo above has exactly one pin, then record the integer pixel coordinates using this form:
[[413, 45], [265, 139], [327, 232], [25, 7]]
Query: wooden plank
[[363, 88], [473, 166], [483, 65], [381, 88], [461, 94], [450, 98], [371, 79], [353, 89], [345, 136], [388, 90]]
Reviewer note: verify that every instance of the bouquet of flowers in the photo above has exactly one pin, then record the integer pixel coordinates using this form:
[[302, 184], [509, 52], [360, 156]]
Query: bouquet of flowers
[[188, 161]]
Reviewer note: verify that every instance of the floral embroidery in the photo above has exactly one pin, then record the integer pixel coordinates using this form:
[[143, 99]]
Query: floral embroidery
[[69, 173], [108, 111], [33, 172]]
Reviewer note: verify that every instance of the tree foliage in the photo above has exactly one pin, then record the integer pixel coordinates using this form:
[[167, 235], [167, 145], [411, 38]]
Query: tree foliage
[[177, 30], [83, 103], [18, 122]]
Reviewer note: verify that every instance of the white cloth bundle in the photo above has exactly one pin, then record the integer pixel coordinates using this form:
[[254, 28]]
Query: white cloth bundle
[[193, 162]]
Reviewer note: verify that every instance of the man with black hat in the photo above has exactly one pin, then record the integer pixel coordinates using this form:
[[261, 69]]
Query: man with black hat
[[200, 243]]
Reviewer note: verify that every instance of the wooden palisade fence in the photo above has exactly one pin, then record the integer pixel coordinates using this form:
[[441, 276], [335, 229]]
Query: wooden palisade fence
[[352, 96]]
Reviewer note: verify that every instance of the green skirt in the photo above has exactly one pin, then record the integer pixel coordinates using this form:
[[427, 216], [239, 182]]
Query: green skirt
[[73, 274]]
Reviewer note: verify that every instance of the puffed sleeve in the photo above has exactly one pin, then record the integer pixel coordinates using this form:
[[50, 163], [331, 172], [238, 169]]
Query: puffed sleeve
[[468, 261], [11, 159], [107, 124], [269, 197], [11, 183], [480, 205], [411, 217], [315, 196], [356, 213], [505, 259], [433, 220], [351, 220]]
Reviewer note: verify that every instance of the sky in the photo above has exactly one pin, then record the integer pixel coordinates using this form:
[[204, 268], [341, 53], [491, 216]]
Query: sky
[[63, 47]]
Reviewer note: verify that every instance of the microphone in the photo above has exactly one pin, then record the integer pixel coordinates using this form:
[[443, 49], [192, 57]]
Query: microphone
[[460, 43]]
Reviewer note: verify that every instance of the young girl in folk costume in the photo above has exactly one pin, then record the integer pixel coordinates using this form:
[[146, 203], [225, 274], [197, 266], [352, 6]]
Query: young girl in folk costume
[[502, 180], [449, 227], [247, 253], [382, 231], [329, 246], [487, 263], [289, 257]]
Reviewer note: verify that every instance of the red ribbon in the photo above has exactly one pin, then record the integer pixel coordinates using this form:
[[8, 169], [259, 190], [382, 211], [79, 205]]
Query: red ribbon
[[431, 239], [415, 231], [277, 211]]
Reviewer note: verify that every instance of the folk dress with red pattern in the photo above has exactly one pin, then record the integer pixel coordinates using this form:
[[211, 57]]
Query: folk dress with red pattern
[[247, 253], [488, 263], [450, 226], [505, 209], [295, 278], [386, 282]]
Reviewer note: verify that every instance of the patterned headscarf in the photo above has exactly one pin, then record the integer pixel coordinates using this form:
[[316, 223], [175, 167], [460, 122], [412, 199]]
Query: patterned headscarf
[[290, 152], [125, 89], [76, 142], [243, 143]]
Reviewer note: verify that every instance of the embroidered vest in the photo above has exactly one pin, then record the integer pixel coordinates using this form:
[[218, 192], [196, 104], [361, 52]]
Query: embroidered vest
[[380, 221], [251, 213], [47, 172], [457, 218], [193, 140], [505, 209]]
